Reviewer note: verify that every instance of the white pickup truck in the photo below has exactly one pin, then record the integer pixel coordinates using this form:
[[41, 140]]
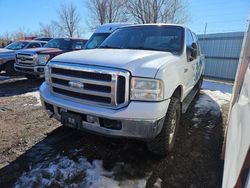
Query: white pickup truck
[[136, 84]]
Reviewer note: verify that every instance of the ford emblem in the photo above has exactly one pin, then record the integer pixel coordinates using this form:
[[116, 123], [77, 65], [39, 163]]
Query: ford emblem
[[76, 84]]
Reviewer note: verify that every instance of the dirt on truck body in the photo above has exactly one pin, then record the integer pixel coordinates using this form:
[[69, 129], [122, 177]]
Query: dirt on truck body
[[36, 151]]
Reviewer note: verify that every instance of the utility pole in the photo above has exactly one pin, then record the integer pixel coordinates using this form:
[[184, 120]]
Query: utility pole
[[205, 30]]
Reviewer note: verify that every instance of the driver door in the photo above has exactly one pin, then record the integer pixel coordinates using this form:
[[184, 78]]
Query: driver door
[[192, 61]]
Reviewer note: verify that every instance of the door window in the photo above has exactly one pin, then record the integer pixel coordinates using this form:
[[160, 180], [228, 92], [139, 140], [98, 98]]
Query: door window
[[191, 50], [34, 45], [78, 45], [197, 43], [189, 39]]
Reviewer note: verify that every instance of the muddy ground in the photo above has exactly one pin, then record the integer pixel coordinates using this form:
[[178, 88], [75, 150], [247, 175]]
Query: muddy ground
[[29, 137]]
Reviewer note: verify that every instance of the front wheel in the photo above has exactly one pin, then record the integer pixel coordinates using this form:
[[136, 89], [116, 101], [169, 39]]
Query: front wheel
[[9, 68], [163, 143]]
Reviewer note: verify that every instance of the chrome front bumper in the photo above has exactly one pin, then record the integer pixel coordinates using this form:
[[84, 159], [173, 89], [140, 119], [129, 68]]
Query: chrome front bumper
[[34, 70], [139, 120]]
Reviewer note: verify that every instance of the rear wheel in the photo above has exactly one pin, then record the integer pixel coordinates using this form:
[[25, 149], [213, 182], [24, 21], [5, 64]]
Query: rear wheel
[[163, 143]]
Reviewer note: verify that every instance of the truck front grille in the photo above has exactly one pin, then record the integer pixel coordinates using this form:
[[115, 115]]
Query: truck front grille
[[90, 84], [25, 59]]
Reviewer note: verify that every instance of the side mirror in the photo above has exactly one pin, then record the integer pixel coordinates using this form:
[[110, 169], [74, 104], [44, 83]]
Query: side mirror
[[192, 52], [194, 45]]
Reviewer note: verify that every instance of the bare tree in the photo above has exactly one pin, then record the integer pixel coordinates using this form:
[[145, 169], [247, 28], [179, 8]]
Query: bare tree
[[5, 39], [48, 30], [68, 20], [106, 11], [21, 34], [153, 11]]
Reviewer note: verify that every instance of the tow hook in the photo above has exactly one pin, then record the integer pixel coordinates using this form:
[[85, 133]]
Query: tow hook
[[51, 115]]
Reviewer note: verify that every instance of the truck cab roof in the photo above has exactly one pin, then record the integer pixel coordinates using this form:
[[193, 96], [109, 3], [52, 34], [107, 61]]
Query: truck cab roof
[[101, 33], [155, 24], [69, 38], [110, 27]]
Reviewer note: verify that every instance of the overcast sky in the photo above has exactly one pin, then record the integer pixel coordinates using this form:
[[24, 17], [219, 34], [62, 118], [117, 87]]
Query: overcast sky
[[220, 15]]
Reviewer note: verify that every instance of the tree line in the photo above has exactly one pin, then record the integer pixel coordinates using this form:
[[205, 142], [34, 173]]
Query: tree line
[[68, 21]]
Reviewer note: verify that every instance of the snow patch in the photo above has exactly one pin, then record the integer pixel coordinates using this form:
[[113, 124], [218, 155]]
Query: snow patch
[[209, 103], [65, 172], [158, 183], [219, 97], [35, 94]]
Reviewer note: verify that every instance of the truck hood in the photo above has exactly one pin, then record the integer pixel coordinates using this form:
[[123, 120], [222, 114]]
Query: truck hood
[[41, 50], [6, 51], [143, 63]]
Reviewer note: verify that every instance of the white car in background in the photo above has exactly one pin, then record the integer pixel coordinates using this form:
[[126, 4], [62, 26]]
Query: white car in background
[[101, 33]]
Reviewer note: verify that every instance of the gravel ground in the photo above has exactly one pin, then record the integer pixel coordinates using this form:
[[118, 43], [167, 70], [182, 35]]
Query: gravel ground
[[36, 151]]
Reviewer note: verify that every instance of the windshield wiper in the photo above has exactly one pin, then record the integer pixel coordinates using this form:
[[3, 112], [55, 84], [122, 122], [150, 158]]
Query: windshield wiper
[[112, 47], [142, 48]]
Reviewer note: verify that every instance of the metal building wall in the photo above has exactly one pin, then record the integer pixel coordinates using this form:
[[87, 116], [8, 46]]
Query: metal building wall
[[222, 52]]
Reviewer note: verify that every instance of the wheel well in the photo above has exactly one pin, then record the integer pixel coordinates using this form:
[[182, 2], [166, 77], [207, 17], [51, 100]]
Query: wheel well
[[178, 92], [4, 65]]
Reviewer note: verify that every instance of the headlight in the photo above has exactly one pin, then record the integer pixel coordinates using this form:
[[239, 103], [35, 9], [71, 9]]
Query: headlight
[[144, 89], [43, 59]]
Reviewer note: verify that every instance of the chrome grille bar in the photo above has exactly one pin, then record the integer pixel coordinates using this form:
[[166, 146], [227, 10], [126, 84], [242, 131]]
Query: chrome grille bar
[[96, 84], [84, 91], [87, 81], [26, 59]]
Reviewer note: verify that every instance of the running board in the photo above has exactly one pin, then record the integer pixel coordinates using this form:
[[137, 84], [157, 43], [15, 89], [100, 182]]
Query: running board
[[189, 98]]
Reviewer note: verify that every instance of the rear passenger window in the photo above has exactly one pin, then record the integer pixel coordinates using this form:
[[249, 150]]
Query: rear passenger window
[[34, 45]]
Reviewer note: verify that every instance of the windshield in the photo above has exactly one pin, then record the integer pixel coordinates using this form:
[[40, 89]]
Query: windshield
[[62, 44], [96, 39], [159, 38], [16, 45]]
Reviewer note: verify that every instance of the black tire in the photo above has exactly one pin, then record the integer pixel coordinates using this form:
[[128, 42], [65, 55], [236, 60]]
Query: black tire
[[163, 143], [32, 77], [9, 68]]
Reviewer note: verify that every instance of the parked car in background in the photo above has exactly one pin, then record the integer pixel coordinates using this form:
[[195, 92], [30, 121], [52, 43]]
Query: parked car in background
[[43, 39], [136, 84], [101, 33], [7, 54], [31, 62]]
